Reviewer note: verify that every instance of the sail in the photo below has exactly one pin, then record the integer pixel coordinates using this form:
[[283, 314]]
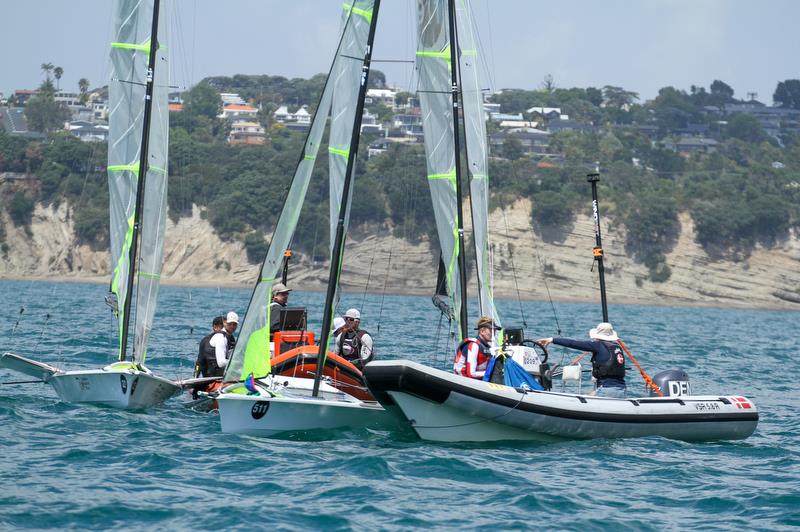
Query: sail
[[252, 348], [433, 65], [345, 78], [129, 57], [476, 151]]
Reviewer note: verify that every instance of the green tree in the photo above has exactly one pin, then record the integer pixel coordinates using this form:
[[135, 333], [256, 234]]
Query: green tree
[[43, 112], [83, 87], [202, 100], [57, 73], [377, 80], [721, 93], [787, 94], [46, 69], [617, 97], [745, 127], [20, 209]]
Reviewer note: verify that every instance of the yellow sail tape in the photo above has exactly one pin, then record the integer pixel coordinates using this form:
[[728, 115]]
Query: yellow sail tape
[[116, 280], [309, 157], [157, 170], [339, 151], [148, 275], [451, 176], [444, 54], [144, 47], [366, 13], [267, 279], [125, 167]]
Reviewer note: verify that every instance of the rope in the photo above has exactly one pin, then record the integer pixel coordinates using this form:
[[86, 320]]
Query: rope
[[648, 381], [514, 272], [522, 396], [383, 296], [369, 276]]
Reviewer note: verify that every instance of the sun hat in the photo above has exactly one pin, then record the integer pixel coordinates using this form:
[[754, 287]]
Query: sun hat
[[486, 321], [280, 288], [232, 317], [604, 331], [338, 323], [353, 313]]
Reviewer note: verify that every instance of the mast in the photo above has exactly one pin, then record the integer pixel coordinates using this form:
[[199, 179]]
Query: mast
[[597, 251], [462, 259], [137, 213], [338, 244]]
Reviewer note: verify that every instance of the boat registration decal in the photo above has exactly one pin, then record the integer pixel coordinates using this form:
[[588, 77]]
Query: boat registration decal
[[707, 407], [496, 386], [259, 409], [123, 383]]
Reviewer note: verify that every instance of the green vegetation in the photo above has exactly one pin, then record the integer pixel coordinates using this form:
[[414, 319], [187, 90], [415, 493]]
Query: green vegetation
[[743, 193]]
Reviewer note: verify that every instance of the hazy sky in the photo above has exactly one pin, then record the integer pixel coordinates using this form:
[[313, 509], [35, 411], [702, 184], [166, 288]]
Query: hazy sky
[[641, 45]]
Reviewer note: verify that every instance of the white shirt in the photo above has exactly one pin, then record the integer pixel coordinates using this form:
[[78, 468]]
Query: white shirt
[[220, 344]]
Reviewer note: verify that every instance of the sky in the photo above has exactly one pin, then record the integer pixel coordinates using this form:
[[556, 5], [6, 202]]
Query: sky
[[640, 45]]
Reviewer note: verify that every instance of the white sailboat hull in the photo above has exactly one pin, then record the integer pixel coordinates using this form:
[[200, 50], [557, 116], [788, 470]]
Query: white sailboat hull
[[129, 390], [119, 385], [441, 406], [295, 410]]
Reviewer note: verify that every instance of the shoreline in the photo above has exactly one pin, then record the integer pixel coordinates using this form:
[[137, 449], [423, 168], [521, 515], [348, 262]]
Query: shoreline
[[203, 283]]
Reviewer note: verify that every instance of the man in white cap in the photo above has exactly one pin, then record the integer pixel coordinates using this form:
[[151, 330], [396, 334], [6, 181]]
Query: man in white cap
[[280, 299], [608, 358], [354, 344], [231, 323]]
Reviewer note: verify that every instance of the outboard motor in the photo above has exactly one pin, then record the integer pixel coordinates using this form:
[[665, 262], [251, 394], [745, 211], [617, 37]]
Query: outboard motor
[[673, 383]]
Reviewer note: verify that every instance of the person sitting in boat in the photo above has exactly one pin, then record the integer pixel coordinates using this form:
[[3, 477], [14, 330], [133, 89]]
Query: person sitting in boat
[[473, 355], [213, 353], [280, 298], [354, 344], [231, 323], [608, 358]]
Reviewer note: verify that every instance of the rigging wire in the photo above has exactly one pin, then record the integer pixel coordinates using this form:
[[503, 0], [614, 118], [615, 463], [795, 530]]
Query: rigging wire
[[383, 296], [514, 269]]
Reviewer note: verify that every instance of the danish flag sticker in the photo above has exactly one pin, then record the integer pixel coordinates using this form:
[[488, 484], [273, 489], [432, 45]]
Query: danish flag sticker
[[620, 358], [741, 402]]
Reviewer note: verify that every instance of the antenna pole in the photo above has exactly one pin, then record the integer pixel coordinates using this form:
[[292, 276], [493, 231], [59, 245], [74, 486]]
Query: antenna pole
[[143, 165], [598, 249]]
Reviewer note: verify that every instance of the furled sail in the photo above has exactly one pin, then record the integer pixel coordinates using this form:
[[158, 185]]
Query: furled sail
[[434, 90], [251, 355], [476, 151], [129, 56]]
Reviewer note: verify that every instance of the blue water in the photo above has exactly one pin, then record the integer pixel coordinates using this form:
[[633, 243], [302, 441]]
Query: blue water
[[66, 466]]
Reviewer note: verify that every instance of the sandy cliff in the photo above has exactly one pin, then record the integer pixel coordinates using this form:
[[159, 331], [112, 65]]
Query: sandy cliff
[[196, 255]]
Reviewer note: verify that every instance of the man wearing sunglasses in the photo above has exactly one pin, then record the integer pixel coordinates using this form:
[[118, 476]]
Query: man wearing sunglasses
[[354, 344]]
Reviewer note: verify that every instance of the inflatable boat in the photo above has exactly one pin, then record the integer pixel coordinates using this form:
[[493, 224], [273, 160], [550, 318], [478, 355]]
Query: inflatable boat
[[442, 406]]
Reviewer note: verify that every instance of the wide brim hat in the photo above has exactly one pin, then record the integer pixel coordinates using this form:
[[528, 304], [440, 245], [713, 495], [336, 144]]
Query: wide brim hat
[[486, 321], [604, 331]]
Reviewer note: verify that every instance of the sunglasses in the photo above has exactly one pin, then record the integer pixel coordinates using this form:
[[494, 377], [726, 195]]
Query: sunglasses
[[351, 319]]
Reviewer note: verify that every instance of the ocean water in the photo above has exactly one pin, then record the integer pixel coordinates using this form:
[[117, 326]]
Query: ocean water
[[66, 466]]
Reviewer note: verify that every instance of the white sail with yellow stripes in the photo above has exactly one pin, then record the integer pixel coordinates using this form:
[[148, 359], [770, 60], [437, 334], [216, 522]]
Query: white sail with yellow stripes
[[129, 56], [476, 151], [434, 90], [338, 100]]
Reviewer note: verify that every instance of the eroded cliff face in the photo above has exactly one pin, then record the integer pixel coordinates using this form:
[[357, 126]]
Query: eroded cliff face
[[194, 254]]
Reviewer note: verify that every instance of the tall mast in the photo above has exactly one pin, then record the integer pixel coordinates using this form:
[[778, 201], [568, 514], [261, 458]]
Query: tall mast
[[598, 249], [462, 259], [137, 213], [338, 243]]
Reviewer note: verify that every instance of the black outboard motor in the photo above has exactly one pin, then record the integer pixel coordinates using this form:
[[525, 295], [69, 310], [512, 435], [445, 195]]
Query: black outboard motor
[[673, 383]]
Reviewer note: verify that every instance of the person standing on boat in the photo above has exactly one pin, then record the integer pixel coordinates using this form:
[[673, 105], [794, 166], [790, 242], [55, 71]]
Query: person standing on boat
[[280, 299], [354, 344], [231, 323], [213, 353], [473, 355], [608, 358]]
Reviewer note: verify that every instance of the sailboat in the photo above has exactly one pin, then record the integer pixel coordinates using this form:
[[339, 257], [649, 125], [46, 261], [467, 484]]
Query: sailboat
[[137, 177], [441, 406], [257, 401]]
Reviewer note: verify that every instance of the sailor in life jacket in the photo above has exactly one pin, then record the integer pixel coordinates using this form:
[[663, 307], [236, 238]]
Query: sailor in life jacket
[[473, 355], [231, 323], [354, 344], [213, 353], [608, 358]]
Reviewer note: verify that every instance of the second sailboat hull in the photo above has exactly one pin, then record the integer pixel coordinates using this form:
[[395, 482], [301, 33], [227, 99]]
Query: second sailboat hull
[[129, 390]]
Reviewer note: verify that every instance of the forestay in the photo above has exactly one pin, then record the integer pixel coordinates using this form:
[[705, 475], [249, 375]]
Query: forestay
[[252, 348], [129, 56]]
